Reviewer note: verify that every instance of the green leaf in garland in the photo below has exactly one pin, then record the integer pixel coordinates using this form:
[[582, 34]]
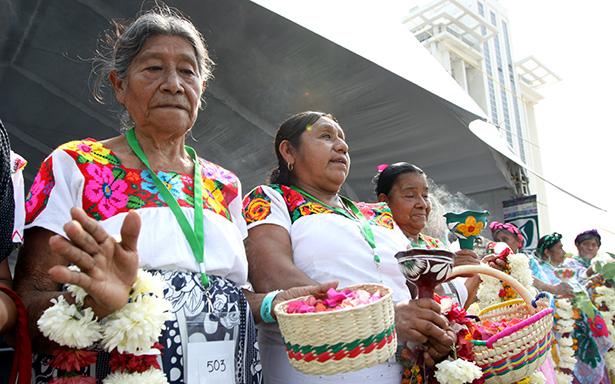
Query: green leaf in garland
[[134, 202], [585, 305], [606, 270], [118, 173]]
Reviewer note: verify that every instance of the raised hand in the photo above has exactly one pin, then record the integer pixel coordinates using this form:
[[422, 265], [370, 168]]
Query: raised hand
[[108, 267]]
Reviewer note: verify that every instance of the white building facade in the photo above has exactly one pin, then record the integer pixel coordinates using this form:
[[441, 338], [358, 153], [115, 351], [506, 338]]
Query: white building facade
[[471, 39]]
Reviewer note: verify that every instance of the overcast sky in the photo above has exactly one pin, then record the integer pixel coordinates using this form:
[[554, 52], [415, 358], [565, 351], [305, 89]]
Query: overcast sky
[[576, 117]]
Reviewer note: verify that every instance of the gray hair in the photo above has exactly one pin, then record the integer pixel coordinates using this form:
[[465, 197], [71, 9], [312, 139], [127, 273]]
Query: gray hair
[[121, 44]]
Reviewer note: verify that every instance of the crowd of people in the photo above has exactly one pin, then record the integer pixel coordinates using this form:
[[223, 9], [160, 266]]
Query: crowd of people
[[144, 199]]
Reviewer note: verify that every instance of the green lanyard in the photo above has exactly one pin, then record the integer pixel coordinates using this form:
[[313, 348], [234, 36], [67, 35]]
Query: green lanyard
[[366, 230], [195, 237]]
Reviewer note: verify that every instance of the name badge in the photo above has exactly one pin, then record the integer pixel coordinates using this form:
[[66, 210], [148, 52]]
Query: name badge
[[211, 362]]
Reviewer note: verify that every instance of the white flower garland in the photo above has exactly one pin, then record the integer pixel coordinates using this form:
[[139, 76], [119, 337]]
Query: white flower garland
[[151, 376], [564, 325], [68, 325], [537, 378], [133, 329], [137, 326], [457, 371], [609, 359], [489, 290], [605, 296], [563, 378]]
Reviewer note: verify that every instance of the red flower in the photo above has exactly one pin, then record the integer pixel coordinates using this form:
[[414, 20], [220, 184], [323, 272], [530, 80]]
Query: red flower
[[126, 362], [293, 199], [464, 346], [72, 360], [367, 212], [598, 326], [458, 315], [74, 380]]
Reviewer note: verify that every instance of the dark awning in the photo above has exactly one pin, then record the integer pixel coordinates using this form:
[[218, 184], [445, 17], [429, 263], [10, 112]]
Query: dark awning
[[268, 67]]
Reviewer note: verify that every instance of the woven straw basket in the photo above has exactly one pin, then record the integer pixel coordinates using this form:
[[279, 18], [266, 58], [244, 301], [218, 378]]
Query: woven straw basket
[[349, 339], [517, 351]]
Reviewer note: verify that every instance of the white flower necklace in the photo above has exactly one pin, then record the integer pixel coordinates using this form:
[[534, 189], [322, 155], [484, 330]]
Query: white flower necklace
[[491, 291], [129, 333]]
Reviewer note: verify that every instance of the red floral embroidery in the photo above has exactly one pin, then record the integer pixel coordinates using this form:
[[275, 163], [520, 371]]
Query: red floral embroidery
[[377, 214], [256, 207], [39, 193], [293, 198], [110, 188]]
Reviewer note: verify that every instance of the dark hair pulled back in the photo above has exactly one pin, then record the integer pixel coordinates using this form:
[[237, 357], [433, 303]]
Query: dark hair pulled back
[[291, 130], [385, 179]]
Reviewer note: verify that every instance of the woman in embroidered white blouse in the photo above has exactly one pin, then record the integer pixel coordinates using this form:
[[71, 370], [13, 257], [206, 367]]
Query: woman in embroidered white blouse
[[301, 231]]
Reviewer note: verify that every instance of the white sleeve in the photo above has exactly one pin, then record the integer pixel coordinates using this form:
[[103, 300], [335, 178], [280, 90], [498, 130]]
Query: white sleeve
[[265, 205], [57, 188], [235, 209], [460, 285], [18, 164]]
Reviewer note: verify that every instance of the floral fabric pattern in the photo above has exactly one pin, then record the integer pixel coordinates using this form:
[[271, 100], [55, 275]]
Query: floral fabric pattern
[[257, 206], [426, 242], [110, 188], [37, 197]]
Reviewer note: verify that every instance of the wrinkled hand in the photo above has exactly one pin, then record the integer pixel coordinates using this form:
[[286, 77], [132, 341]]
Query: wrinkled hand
[[108, 268], [318, 291], [563, 289], [438, 349], [466, 257], [494, 262], [420, 320]]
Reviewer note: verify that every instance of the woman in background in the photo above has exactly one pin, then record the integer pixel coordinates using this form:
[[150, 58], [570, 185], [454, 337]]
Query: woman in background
[[404, 187], [590, 333]]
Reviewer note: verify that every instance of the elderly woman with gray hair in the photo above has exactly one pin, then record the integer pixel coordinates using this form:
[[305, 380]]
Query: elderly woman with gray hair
[[176, 213]]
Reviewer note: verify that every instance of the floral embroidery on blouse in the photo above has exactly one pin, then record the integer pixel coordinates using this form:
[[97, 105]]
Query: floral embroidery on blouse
[[110, 188], [377, 214], [37, 197], [427, 242], [257, 207]]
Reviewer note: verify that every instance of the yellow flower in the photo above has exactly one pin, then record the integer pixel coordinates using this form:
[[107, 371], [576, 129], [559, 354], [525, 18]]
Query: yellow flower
[[213, 196], [470, 227], [258, 209], [92, 151]]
